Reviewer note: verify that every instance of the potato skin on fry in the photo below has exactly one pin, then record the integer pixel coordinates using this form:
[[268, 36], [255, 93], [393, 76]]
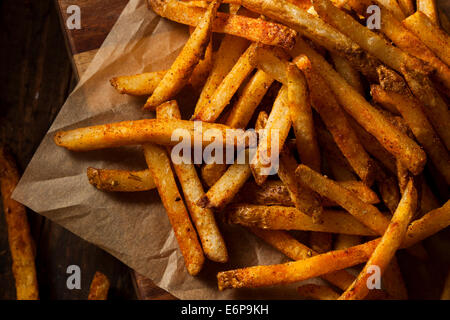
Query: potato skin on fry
[[120, 180], [20, 242], [139, 84]]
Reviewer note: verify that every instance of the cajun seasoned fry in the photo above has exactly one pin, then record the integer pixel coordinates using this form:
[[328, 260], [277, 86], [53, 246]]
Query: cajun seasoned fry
[[345, 69], [317, 292], [394, 7], [212, 242], [429, 8], [202, 69], [397, 143], [21, 244], [388, 244], [268, 61], [393, 82], [120, 180], [137, 132], [212, 172], [257, 30], [139, 84], [181, 70], [289, 218], [301, 117], [366, 213], [418, 122], [99, 287]]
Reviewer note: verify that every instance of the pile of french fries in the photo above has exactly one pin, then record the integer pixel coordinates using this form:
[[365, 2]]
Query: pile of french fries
[[367, 109]]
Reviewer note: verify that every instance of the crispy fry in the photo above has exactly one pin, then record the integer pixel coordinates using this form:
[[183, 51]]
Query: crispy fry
[[295, 250], [429, 8], [344, 241], [444, 21], [418, 122], [139, 84], [202, 69], [120, 180], [345, 69], [301, 117], [268, 61], [361, 190], [366, 213], [289, 218], [181, 70], [21, 244], [394, 7], [257, 30], [99, 287], [259, 276], [212, 172], [397, 143], [393, 82], [388, 244], [321, 241], [212, 242], [407, 7], [136, 132], [225, 91], [388, 188], [317, 292]]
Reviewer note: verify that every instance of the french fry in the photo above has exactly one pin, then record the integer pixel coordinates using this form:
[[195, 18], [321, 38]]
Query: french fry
[[301, 117], [429, 8], [446, 290], [99, 287], [295, 250], [444, 21], [139, 84], [388, 244], [202, 69], [344, 241], [120, 180], [137, 132], [271, 63], [289, 218], [279, 123], [407, 7], [365, 213], [345, 69], [257, 30], [317, 292], [393, 82], [259, 276], [320, 241], [420, 126], [21, 244], [212, 172], [183, 66], [361, 190], [394, 7], [388, 188], [212, 241], [397, 143], [227, 88], [336, 121]]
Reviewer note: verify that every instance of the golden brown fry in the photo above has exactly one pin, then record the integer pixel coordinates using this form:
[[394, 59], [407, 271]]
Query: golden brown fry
[[320, 241], [394, 7], [137, 132], [99, 287], [388, 188], [388, 244], [344, 241], [336, 121], [212, 242], [317, 292], [183, 66], [257, 30], [212, 172], [228, 87], [393, 82], [289, 218], [21, 244], [407, 7], [302, 118], [420, 126], [444, 21], [446, 290], [361, 190], [139, 84], [295, 250], [345, 69], [259, 276], [366, 213], [120, 180], [202, 69], [397, 143], [268, 61], [429, 8]]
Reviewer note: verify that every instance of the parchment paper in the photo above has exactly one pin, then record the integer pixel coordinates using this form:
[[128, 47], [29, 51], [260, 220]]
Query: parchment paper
[[132, 227]]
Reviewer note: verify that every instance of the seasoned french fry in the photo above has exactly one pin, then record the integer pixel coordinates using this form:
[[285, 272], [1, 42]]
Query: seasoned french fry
[[429, 8], [362, 191], [301, 117], [397, 143], [212, 172], [139, 84], [336, 121], [345, 69], [388, 188], [202, 69], [394, 7], [181, 70], [295, 250], [393, 82], [212, 242], [418, 122], [444, 21], [446, 290], [278, 124], [344, 241], [137, 132], [257, 30], [21, 244], [289, 218], [290, 272], [388, 244], [407, 7], [320, 241], [268, 61], [120, 180], [366, 213], [317, 292], [99, 287]]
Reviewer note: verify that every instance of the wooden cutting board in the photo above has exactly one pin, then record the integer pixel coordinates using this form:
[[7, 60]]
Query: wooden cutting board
[[97, 19]]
